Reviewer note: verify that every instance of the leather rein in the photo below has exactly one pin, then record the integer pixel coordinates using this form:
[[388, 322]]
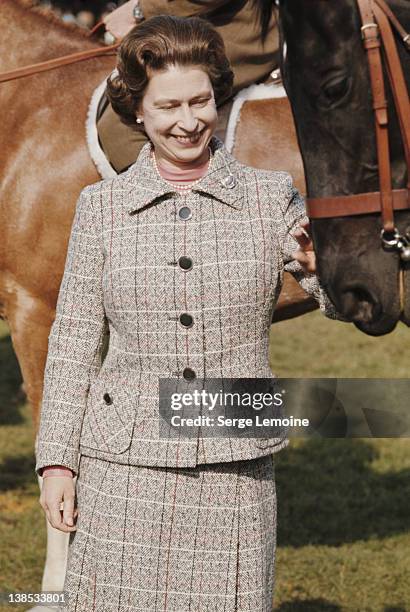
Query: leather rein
[[377, 21], [61, 61]]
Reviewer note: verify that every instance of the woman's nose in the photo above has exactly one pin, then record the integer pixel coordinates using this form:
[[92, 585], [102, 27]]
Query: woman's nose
[[188, 120]]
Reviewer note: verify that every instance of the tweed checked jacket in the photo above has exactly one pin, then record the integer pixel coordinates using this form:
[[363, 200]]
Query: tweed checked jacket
[[124, 275]]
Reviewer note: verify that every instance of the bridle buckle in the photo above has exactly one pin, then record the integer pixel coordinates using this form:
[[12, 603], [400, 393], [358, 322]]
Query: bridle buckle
[[367, 26], [396, 242], [390, 239]]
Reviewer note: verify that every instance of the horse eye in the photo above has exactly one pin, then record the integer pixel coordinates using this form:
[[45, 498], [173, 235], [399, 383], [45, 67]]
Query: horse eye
[[336, 89]]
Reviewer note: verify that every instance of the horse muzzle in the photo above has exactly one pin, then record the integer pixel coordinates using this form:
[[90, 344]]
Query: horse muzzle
[[366, 310]]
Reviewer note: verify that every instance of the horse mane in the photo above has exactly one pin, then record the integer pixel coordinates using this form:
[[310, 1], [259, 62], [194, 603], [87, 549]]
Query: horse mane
[[48, 14], [264, 10]]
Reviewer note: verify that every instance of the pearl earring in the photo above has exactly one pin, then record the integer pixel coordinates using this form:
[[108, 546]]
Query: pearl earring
[[139, 120]]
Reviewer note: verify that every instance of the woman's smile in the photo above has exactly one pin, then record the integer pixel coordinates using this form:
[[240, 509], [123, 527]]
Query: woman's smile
[[189, 139]]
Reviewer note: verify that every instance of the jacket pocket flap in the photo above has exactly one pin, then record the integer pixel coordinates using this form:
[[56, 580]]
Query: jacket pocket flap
[[109, 416]]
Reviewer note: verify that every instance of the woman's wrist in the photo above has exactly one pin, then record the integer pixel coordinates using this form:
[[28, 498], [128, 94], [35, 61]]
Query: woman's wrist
[[57, 470]]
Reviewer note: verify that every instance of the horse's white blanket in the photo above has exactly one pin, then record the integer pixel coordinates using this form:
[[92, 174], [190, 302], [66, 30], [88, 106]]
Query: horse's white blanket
[[253, 92]]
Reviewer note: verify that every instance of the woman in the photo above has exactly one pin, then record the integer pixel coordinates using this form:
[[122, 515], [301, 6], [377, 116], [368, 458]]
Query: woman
[[181, 260]]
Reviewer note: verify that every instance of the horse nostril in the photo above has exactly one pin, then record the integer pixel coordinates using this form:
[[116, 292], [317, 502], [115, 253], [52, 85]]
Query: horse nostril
[[359, 305]]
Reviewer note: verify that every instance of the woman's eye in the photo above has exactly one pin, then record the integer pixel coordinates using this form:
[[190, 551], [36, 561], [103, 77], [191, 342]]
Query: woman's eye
[[201, 102]]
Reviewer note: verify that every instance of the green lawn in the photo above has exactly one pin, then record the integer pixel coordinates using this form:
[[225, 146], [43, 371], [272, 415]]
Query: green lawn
[[314, 346], [344, 512]]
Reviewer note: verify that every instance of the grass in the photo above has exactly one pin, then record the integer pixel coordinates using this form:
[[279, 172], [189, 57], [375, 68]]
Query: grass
[[343, 505], [313, 346], [344, 526], [22, 527]]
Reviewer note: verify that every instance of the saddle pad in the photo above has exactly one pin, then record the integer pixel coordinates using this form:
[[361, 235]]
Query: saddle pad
[[96, 152]]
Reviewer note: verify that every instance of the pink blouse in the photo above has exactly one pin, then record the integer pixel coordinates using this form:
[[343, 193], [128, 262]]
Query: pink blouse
[[56, 470], [182, 176]]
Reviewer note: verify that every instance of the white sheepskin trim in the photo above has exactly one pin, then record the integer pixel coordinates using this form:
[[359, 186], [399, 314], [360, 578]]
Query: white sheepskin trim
[[97, 154], [261, 91]]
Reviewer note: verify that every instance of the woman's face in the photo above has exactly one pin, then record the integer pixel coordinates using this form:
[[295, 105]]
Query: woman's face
[[179, 114]]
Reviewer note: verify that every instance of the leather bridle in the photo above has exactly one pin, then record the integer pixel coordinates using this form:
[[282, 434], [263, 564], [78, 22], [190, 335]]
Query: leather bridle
[[377, 21], [73, 58]]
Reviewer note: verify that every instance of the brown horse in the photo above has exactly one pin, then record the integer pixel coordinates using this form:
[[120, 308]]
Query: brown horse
[[45, 163]]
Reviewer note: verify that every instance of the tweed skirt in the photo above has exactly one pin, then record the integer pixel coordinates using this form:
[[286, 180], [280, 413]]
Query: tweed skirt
[[173, 539]]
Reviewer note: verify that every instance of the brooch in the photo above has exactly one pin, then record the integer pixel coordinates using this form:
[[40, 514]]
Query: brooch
[[229, 181]]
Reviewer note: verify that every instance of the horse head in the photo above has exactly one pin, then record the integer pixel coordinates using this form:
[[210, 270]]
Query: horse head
[[326, 75]]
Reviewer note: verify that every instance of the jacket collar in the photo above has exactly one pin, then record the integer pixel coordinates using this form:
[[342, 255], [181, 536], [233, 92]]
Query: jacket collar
[[223, 181]]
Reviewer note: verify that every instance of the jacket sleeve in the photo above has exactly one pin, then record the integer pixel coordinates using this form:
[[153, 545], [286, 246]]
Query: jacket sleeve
[[75, 342], [293, 212]]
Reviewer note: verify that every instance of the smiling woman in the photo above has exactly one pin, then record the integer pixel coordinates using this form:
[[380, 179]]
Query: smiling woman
[[181, 257]]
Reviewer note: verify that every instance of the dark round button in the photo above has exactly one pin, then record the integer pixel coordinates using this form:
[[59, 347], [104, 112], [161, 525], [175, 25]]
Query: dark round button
[[107, 398], [184, 213], [185, 262], [188, 374], [186, 319]]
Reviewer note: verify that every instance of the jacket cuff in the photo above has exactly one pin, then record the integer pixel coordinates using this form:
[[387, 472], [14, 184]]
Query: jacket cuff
[[47, 459]]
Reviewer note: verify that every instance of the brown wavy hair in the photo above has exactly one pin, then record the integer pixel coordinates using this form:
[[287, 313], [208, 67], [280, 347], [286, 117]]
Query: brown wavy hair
[[163, 41]]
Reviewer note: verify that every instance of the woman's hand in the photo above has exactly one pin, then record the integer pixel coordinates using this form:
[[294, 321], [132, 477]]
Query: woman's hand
[[120, 21], [58, 491], [305, 254]]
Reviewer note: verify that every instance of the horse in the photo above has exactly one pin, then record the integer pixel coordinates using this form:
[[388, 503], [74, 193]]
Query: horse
[[327, 79], [45, 163]]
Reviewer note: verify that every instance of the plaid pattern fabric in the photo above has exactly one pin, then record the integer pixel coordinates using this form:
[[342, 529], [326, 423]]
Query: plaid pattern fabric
[[123, 276], [156, 539]]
